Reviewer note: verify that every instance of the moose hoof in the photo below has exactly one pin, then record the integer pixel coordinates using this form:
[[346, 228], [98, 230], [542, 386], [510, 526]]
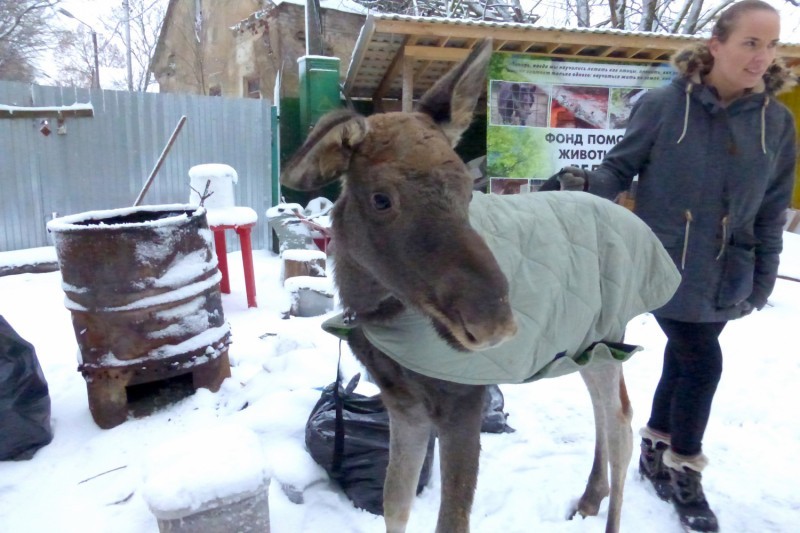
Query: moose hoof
[[584, 509]]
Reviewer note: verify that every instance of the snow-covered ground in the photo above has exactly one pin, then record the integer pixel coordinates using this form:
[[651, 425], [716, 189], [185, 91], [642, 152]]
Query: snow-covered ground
[[528, 479]]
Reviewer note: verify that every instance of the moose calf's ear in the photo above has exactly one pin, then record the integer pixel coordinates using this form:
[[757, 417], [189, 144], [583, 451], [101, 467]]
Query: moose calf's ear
[[451, 101], [325, 155]]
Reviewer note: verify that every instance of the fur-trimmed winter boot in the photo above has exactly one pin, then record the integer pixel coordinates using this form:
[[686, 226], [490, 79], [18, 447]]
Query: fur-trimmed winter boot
[[687, 491], [651, 464]]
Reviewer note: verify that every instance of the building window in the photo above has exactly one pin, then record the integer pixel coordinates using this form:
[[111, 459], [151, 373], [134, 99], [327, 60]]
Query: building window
[[215, 90], [252, 88]]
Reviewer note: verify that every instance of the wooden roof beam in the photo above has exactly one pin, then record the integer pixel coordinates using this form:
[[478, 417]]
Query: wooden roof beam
[[391, 73], [362, 45], [435, 53]]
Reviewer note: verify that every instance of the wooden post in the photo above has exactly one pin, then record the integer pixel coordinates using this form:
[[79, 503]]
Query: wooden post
[[303, 263], [408, 84]]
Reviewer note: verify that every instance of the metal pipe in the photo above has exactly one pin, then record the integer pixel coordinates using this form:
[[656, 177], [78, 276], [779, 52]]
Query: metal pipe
[[96, 77], [96, 61], [127, 7]]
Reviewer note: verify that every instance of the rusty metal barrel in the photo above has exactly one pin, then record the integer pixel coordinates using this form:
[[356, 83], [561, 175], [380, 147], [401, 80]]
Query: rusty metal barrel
[[142, 286]]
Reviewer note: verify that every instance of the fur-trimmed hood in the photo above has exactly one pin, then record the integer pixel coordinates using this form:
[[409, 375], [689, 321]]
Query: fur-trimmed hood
[[695, 61]]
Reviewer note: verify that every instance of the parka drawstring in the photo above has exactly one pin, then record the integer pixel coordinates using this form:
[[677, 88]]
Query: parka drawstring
[[689, 220], [688, 215], [686, 112], [724, 237], [764, 125], [688, 92]]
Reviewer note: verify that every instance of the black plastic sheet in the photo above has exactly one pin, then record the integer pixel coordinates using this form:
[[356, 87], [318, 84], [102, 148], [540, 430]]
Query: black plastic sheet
[[24, 398]]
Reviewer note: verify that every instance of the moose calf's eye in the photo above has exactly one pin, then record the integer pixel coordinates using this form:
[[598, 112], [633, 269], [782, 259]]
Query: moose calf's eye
[[381, 202]]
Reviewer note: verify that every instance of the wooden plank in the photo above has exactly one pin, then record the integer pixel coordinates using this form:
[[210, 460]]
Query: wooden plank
[[362, 45], [391, 73], [435, 53], [408, 84]]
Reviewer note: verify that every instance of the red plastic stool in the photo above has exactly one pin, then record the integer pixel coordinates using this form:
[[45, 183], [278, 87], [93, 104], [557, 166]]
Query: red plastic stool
[[243, 230]]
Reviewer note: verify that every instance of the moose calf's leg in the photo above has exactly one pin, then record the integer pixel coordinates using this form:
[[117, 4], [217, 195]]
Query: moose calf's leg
[[410, 432], [620, 442], [614, 446], [459, 425], [597, 486]]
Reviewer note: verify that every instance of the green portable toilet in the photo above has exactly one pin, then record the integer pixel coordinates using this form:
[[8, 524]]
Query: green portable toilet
[[319, 93], [319, 88]]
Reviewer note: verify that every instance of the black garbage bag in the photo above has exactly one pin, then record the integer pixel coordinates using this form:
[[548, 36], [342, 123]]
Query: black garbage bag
[[357, 455], [494, 418], [24, 398]]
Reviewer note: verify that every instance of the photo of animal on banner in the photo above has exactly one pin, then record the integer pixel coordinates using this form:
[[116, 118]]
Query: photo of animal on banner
[[547, 113]]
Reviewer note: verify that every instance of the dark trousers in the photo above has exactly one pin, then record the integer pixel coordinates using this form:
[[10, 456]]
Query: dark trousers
[[689, 378]]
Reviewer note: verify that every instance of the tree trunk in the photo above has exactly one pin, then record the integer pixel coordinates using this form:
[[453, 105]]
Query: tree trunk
[[648, 15], [616, 9], [582, 10], [703, 22], [679, 18]]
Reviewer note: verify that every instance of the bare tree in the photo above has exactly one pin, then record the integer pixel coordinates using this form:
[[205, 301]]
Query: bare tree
[[76, 64], [583, 11], [24, 34], [145, 18], [647, 21], [670, 16], [76, 53]]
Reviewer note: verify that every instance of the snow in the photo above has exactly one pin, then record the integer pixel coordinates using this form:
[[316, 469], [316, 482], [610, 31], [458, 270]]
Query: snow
[[303, 256], [79, 221], [92, 480], [231, 216], [346, 6], [11, 109], [233, 465], [31, 256], [318, 284], [283, 209]]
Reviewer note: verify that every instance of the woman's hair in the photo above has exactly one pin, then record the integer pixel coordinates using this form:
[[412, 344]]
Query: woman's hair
[[728, 19]]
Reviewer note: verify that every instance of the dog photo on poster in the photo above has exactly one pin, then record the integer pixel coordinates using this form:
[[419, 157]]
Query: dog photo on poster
[[547, 113]]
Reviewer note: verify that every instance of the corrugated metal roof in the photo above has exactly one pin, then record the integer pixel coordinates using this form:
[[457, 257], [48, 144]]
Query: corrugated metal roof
[[377, 66], [348, 6]]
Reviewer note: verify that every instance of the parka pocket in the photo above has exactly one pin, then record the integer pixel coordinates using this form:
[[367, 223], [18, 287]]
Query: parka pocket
[[736, 281], [673, 244]]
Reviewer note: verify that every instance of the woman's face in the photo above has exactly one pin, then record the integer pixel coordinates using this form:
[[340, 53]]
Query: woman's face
[[741, 61]]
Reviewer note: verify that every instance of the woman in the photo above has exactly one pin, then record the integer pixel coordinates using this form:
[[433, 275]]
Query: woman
[[715, 155]]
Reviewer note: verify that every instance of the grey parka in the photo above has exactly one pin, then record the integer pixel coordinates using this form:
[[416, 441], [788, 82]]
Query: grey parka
[[714, 185]]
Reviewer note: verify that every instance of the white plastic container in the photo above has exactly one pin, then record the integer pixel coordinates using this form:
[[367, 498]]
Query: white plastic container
[[222, 178]]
